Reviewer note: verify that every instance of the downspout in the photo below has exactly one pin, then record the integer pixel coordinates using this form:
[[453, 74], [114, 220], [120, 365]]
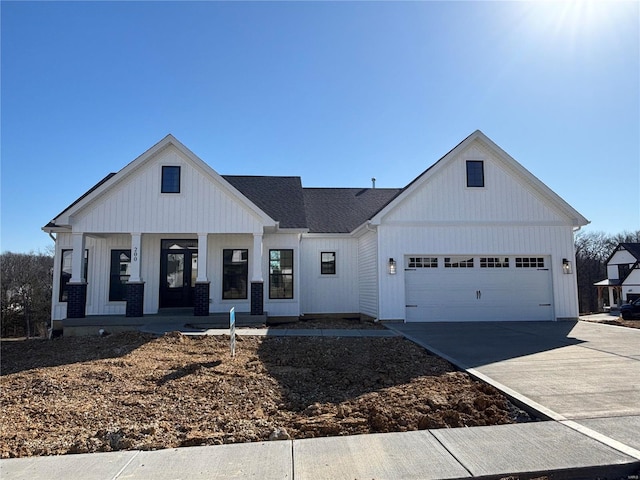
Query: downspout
[[375, 230]]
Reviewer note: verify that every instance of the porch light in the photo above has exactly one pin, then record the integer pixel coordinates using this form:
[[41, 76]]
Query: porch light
[[566, 266], [392, 266]]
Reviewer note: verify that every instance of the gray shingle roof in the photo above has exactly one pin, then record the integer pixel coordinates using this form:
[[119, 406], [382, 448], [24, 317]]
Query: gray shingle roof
[[632, 248], [342, 210], [279, 197]]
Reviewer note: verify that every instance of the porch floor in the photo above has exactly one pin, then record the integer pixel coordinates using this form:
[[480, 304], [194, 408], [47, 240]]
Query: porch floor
[[160, 323]]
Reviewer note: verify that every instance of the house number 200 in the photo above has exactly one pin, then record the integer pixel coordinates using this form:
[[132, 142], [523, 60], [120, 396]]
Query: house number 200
[[135, 254]]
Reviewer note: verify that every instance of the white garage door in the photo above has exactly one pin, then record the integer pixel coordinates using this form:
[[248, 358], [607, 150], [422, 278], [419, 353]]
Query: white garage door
[[470, 288]]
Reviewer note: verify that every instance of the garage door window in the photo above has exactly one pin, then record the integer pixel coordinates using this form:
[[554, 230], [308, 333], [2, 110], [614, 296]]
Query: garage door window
[[458, 262], [529, 262], [422, 262], [494, 262]]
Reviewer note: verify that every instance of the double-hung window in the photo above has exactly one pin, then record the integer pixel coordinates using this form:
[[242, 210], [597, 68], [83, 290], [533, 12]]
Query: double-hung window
[[328, 263], [280, 274], [65, 272], [120, 273], [235, 271]]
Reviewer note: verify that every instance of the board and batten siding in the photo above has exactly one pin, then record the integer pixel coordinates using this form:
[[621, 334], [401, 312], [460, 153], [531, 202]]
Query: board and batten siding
[[505, 199], [397, 242], [137, 204], [98, 275], [368, 274], [329, 293], [508, 216]]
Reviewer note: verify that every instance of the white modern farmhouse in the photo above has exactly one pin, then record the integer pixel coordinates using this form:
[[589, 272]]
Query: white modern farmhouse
[[474, 237], [623, 276]]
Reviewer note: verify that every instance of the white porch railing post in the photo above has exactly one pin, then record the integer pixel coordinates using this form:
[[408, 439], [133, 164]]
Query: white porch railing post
[[77, 258], [136, 254], [256, 271], [202, 258]]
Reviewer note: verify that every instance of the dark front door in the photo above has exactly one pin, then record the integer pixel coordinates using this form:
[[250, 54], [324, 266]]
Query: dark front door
[[178, 273]]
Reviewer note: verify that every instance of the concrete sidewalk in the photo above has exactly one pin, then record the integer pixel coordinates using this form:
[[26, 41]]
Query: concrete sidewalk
[[525, 449], [269, 332], [584, 376]]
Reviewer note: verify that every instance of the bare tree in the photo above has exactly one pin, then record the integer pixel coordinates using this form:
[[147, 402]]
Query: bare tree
[[26, 283]]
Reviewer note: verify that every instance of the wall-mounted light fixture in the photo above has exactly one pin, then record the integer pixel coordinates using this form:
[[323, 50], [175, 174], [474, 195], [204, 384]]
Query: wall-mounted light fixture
[[392, 266], [566, 266]]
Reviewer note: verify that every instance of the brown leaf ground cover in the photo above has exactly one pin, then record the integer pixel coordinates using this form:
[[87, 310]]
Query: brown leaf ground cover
[[136, 391]]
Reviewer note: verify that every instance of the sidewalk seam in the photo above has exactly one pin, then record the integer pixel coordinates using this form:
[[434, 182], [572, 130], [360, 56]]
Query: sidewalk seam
[[115, 477], [451, 453]]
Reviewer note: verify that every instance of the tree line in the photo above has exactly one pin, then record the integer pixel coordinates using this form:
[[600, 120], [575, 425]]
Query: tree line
[[26, 281]]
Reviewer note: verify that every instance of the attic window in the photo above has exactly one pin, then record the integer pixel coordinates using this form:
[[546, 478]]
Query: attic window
[[475, 173], [170, 179]]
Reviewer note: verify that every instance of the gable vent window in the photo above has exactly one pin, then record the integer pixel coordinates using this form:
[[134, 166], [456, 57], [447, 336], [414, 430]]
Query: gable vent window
[[170, 179], [475, 173]]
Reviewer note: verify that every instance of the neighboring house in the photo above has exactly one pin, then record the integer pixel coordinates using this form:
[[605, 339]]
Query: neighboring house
[[623, 276], [474, 237]]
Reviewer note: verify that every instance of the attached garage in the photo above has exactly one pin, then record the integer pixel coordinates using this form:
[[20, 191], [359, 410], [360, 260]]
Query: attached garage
[[442, 288]]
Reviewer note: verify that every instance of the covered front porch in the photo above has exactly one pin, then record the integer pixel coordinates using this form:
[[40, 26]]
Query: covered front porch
[[613, 290], [147, 274]]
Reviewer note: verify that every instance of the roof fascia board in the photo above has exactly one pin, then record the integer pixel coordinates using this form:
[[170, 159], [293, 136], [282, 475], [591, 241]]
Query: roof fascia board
[[621, 246], [66, 217], [551, 198], [417, 182], [611, 255], [208, 170], [327, 235]]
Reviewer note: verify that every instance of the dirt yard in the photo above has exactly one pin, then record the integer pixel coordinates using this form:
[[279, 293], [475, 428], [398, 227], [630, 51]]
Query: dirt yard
[[135, 391]]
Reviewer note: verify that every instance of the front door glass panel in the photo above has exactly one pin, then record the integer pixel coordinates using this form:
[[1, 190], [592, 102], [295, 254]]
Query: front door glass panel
[[178, 273], [175, 270]]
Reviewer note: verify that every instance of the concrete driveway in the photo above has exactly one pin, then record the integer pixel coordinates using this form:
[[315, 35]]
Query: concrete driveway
[[585, 375]]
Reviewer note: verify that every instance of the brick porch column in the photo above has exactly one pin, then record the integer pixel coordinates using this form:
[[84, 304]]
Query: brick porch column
[[257, 298], [76, 299], [201, 299], [135, 299]]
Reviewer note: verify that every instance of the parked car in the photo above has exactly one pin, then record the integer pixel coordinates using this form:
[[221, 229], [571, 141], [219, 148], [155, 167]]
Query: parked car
[[631, 310]]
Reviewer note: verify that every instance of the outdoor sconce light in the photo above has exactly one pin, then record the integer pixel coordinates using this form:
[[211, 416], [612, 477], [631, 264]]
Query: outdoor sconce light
[[566, 266], [392, 266]]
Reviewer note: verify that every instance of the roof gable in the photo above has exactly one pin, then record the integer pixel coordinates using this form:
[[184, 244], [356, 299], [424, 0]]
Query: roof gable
[[168, 151], [444, 201], [626, 252]]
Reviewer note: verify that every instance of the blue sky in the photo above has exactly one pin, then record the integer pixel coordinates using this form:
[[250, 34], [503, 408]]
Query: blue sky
[[333, 92]]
